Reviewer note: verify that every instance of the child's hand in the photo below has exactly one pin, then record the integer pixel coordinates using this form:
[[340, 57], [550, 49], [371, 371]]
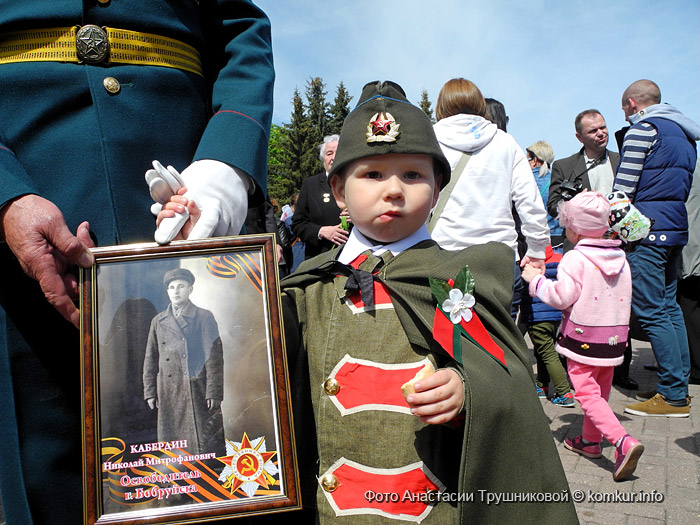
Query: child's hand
[[530, 272], [177, 204], [438, 398]]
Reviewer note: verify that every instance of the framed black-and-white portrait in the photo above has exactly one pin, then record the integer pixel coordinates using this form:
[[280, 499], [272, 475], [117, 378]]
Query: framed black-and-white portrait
[[186, 391]]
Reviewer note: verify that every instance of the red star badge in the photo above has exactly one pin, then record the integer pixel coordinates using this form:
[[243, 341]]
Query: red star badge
[[382, 127]]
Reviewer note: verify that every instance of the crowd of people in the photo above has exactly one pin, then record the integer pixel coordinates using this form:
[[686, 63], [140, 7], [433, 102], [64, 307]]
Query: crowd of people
[[500, 192], [409, 259]]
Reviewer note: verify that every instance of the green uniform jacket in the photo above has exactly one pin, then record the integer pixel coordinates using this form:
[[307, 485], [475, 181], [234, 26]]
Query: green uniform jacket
[[507, 449]]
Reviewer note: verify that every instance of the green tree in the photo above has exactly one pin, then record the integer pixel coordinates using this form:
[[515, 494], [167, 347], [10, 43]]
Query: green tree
[[296, 142], [279, 183], [293, 153], [317, 118], [317, 108], [339, 109], [425, 105]]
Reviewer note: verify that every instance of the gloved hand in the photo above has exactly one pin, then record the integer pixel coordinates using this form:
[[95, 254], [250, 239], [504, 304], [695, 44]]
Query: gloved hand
[[220, 192], [162, 183]]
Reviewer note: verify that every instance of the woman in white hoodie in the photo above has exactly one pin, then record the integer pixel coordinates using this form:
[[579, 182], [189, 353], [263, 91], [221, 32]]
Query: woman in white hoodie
[[496, 178]]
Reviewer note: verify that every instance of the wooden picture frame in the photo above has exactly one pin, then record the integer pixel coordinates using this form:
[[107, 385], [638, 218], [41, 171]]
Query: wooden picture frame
[[207, 353]]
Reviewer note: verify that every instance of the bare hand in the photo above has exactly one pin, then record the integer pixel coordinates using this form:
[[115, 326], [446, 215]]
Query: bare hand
[[537, 263], [335, 234], [152, 403], [529, 273], [36, 232], [213, 404], [178, 204], [438, 398]]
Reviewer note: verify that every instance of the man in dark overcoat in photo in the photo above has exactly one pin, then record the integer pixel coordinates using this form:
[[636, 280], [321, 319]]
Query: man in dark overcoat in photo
[[184, 368]]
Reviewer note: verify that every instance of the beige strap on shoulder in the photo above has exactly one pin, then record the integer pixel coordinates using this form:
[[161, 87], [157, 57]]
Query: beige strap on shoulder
[[447, 190]]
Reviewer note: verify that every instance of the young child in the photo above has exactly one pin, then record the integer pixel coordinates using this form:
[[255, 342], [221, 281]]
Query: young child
[[593, 290], [362, 321], [542, 323]]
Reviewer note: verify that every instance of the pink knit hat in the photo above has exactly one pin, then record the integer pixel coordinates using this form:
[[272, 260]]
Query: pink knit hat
[[586, 214]]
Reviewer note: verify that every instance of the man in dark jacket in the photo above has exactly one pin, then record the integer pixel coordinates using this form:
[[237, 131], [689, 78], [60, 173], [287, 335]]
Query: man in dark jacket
[[658, 159], [184, 368], [316, 219], [593, 167]]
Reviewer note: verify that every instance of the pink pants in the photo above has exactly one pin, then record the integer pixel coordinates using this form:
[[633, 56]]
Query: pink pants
[[592, 388]]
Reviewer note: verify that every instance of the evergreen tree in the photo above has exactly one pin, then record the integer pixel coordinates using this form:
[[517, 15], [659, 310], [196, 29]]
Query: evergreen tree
[[296, 142], [279, 183], [317, 108], [339, 110], [293, 153], [317, 117], [425, 105]]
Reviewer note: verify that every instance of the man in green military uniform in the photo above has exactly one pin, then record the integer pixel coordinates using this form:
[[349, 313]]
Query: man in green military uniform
[[92, 93]]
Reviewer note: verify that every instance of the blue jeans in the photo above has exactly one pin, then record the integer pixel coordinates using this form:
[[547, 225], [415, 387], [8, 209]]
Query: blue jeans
[[654, 274]]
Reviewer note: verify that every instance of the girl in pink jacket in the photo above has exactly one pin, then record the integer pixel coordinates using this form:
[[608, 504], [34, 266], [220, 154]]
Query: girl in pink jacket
[[593, 289]]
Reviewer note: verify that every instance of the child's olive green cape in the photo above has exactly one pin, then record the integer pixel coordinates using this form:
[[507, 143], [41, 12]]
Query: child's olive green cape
[[511, 472]]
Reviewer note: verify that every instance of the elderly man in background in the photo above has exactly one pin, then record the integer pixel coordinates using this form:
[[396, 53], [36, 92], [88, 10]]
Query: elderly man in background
[[316, 219]]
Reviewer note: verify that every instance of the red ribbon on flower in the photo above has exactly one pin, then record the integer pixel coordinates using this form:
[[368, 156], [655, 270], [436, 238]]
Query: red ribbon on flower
[[448, 334]]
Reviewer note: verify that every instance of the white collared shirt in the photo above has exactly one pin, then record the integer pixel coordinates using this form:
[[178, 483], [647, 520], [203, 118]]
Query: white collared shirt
[[601, 176], [358, 243]]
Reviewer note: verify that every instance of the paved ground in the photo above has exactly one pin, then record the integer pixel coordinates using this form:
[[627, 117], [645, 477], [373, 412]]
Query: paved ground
[[668, 474], [670, 465]]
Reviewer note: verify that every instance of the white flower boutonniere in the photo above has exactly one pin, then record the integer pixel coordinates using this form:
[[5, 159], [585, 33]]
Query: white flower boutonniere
[[459, 306]]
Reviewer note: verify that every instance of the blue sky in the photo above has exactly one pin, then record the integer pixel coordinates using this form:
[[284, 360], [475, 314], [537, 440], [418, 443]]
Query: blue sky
[[546, 60]]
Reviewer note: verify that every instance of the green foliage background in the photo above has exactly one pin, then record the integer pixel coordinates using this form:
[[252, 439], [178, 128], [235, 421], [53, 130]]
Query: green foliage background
[[293, 152]]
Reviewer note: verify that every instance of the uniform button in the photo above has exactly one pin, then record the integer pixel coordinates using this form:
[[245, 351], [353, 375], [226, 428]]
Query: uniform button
[[652, 237], [662, 237], [329, 482], [111, 84], [102, 1], [331, 386]]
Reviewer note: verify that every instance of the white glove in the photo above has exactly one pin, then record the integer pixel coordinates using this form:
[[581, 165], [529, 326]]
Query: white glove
[[220, 192], [163, 184]]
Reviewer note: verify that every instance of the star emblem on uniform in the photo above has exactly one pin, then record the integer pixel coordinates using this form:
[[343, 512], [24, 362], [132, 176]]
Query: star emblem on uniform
[[92, 43], [248, 466], [92, 40], [382, 127]]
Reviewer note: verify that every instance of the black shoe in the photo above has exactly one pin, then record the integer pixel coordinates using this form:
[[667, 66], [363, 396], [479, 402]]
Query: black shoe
[[625, 382], [652, 367]]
